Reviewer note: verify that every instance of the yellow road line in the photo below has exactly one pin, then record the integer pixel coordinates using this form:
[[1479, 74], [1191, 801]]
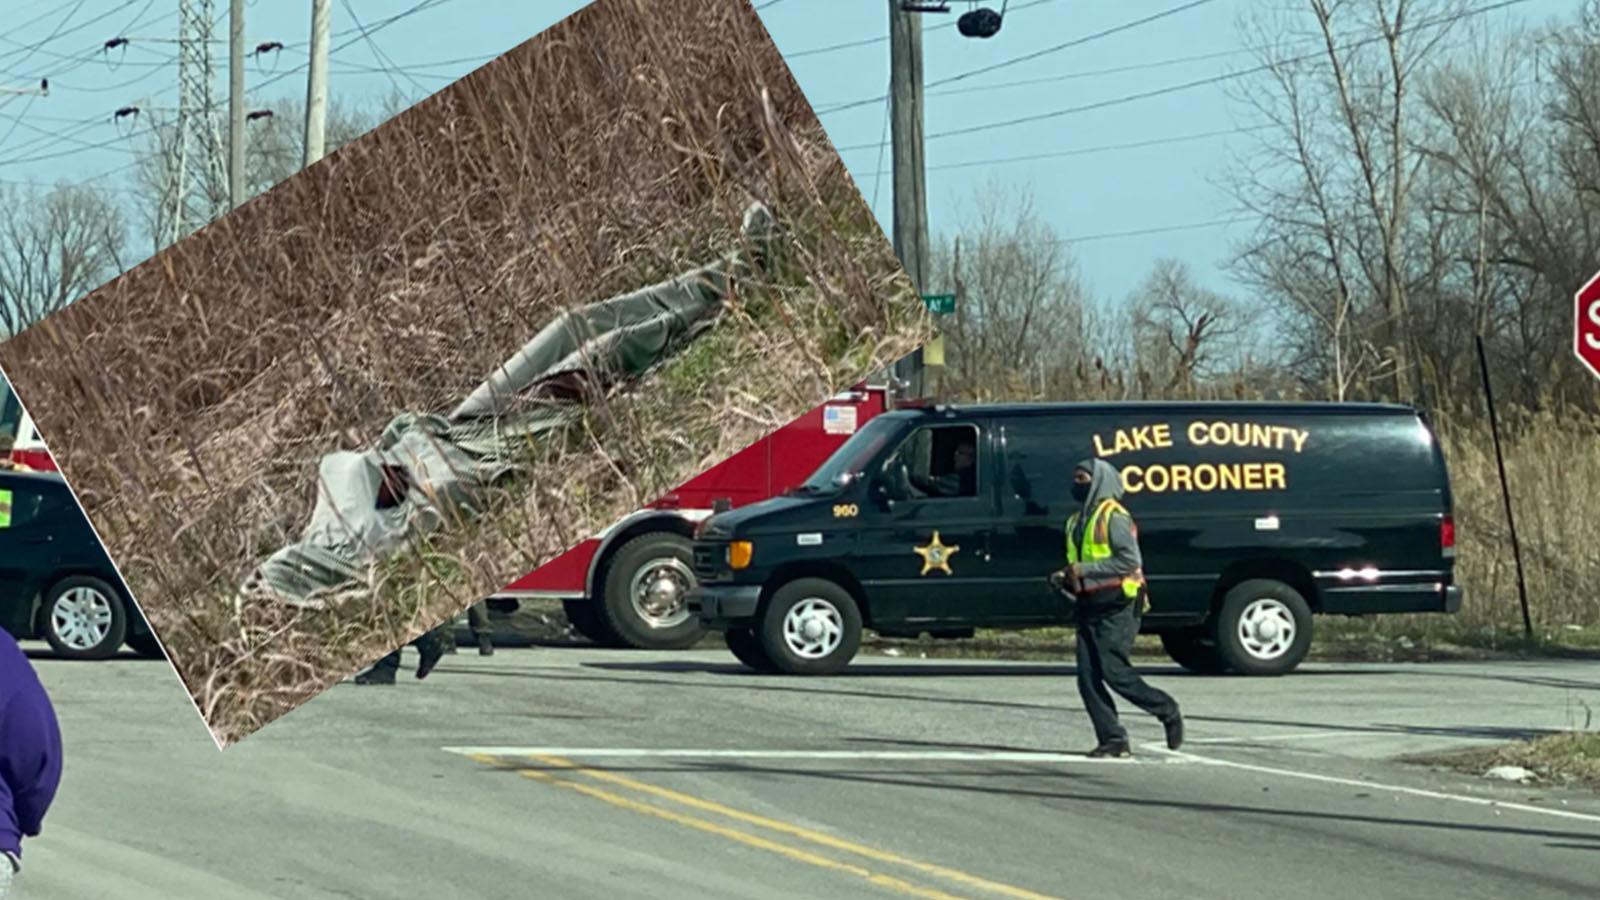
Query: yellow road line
[[751, 840], [807, 834]]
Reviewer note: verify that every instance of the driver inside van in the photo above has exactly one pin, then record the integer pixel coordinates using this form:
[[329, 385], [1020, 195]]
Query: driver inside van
[[961, 479]]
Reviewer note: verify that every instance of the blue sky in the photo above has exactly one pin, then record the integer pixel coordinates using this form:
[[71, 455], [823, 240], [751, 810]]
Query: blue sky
[[1092, 197]]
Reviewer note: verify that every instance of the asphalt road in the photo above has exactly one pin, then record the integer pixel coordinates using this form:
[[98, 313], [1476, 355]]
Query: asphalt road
[[592, 774]]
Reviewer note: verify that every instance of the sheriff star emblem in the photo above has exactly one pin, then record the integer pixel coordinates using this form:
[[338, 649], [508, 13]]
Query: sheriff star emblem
[[936, 555]]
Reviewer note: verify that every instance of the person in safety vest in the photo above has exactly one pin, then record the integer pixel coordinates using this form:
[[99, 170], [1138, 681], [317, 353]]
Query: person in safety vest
[[1105, 579], [7, 464]]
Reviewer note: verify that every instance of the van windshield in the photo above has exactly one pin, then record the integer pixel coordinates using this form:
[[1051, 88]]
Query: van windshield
[[850, 459]]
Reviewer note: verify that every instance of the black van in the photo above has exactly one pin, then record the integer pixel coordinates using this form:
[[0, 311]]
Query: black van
[[1252, 517]]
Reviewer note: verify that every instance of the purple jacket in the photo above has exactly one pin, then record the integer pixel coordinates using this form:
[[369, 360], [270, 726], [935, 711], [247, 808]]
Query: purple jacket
[[30, 748]]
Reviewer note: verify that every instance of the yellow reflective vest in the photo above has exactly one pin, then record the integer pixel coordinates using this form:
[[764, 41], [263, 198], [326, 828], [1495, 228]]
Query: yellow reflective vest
[[5, 497], [1096, 547]]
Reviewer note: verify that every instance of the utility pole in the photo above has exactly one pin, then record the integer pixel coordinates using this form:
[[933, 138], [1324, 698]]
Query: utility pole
[[317, 81], [910, 181], [235, 104]]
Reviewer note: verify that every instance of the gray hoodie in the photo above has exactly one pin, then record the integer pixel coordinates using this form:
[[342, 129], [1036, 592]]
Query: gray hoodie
[[1106, 484]]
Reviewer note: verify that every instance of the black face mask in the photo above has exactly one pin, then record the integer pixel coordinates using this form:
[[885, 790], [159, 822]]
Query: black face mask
[[1080, 491]]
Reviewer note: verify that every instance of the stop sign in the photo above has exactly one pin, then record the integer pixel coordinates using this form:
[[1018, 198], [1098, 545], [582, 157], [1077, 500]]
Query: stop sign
[[1586, 334]]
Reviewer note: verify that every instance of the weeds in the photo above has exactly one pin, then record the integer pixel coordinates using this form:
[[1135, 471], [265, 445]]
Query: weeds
[[189, 400]]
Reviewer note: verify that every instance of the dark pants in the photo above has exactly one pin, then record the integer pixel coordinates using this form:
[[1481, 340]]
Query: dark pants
[[478, 619], [1104, 642], [427, 642]]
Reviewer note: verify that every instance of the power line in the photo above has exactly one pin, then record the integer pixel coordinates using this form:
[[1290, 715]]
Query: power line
[[24, 48], [1215, 79], [837, 106], [384, 59], [1101, 148], [374, 28], [1075, 42], [34, 48], [868, 42]]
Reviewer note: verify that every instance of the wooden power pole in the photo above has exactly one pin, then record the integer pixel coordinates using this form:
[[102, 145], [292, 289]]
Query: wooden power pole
[[910, 181]]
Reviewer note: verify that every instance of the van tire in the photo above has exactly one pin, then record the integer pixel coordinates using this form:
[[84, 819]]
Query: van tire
[[585, 619], [88, 596], [669, 555], [1273, 605], [1194, 649], [811, 602], [746, 646]]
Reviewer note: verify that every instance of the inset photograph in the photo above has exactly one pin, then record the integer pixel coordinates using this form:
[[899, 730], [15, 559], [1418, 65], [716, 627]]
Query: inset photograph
[[462, 344]]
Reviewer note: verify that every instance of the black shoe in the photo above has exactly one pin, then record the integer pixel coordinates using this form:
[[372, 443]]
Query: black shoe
[[1114, 750], [1174, 727], [372, 676], [430, 658], [485, 646]]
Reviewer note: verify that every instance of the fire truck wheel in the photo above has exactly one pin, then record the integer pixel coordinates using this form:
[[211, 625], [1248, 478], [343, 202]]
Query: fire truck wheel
[[647, 587], [584, 617], [746, 646], [1263, 628], [811, 627], [1193, 649], [84, 618]]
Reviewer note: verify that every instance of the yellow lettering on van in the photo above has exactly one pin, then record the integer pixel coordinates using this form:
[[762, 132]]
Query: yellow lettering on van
[[1100, 449], [1277, 477], [1129, 473], [1163, 435], [1197, 433], [1300, 439]]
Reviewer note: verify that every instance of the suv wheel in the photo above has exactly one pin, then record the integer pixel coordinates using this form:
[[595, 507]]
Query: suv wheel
[[84, 618], [1263, 628], [811, 627]]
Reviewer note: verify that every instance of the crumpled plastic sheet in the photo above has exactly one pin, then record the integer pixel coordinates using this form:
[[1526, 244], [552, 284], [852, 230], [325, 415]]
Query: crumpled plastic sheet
[[437, 468]]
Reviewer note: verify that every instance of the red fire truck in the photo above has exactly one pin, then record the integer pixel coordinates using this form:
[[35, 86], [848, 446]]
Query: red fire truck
[[627, 586], [28, 449]]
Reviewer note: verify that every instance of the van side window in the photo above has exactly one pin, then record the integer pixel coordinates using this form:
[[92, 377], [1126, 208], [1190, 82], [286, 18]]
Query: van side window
[[941, 462]]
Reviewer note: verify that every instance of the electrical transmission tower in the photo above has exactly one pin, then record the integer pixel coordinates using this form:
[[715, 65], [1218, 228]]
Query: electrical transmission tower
[[197, 156]]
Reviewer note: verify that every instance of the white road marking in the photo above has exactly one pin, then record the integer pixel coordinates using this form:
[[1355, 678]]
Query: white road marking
[[1252, 739], [1375, 785], [931, 755]]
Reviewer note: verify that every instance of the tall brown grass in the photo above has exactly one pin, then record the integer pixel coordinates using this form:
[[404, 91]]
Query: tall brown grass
[[189, 400]]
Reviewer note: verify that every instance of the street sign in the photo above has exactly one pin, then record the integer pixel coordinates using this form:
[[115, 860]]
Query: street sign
[[1586, 333], [940, 304]]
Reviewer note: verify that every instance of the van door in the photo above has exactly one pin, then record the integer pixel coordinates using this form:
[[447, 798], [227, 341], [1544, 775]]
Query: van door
[[923, 556], [1036, 456]]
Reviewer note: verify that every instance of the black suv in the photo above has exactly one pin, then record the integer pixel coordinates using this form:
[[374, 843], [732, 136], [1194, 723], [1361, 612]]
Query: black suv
[[56, 581]]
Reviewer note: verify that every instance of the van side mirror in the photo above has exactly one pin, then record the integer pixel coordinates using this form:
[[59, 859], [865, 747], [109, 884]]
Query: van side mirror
[[881, 494]]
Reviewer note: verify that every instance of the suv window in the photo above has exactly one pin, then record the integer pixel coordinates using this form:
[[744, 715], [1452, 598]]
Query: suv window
[[940, 462], [30, 505]]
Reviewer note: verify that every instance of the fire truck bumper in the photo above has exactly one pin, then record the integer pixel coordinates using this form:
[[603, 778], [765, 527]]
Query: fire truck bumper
[[723, 605]]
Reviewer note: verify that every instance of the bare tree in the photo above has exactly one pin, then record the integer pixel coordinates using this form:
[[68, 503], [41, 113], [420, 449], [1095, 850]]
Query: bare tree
[[1182, 328], [1020, 310], [1333, 183], [55, 246]]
